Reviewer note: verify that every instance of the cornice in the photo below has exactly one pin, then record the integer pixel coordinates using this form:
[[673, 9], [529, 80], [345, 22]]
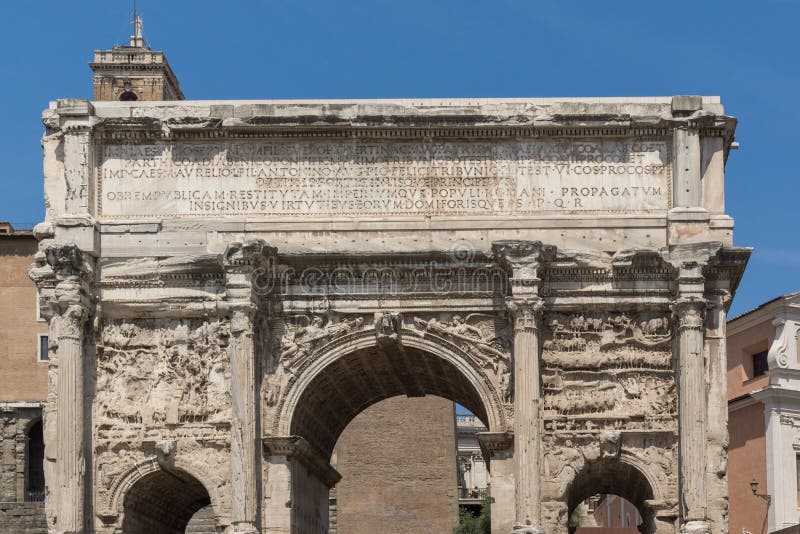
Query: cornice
[[789, 305]]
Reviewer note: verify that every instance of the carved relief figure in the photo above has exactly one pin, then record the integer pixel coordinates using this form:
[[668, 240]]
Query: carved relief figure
[[163, 371], [303, 335], [476, 335]]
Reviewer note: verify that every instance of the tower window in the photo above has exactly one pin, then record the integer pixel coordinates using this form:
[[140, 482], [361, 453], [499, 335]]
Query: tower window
[[760, 365], [43, 355], [128, 96]]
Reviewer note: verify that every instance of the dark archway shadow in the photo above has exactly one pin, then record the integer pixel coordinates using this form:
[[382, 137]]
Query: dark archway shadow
[[163, 502], [612, 476], [34, 462]]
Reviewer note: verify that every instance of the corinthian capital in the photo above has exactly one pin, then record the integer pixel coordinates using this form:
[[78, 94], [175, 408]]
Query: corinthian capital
[[690, 312], [525, 311]]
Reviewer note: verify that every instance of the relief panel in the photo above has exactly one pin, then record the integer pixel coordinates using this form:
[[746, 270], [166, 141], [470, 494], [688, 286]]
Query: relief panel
[[156, 372], [608, 370]]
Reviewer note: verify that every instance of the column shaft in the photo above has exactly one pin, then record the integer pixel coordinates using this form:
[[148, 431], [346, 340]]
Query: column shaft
[[692, 409], [243, 425], [527, 427], [70, 459]]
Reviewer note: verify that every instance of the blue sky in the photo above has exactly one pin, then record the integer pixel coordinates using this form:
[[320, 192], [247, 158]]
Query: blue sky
[[747, 52]]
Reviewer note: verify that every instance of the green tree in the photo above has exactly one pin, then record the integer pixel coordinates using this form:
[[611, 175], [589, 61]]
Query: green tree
[[475, 524], [575, 519]]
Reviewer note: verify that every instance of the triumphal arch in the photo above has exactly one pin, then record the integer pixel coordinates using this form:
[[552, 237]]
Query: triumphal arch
[[229, 283]]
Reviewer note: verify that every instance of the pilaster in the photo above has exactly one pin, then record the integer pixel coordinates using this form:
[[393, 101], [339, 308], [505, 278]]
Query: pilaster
[[688, 220], [76, 121], [717, 395], [245, 266], [522, 260]]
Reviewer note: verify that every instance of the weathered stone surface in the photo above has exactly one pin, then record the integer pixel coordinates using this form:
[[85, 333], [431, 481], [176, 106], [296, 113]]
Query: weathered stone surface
[[23, 517]]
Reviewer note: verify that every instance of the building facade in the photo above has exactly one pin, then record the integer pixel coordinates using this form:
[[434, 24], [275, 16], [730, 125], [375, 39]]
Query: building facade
[[454, 248], [23, 387], [473, 474], [764, 406]]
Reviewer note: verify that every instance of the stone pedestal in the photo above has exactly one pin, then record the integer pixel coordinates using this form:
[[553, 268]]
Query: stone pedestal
[[498, 451], [299, 480]]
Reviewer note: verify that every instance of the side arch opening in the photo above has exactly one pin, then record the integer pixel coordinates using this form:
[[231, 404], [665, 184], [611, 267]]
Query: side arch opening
[[164, 502], [611, 477]]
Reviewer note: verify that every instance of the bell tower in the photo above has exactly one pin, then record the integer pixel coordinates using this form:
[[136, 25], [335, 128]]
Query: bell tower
[[134, 72]]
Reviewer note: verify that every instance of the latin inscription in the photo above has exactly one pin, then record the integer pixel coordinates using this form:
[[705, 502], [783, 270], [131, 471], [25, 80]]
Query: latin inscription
[[398, 178]]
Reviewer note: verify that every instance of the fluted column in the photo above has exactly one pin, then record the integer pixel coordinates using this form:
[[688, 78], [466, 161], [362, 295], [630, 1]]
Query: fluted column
[[70, 458], [245, 264], [244, 400], [71, 303], [692, 412], [689, 309], [526, 312], [523, 261]]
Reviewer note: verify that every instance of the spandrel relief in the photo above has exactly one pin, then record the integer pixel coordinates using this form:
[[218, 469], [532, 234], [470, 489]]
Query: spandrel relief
[[156, 372], [608, 370], [485, 339], [303, 334]]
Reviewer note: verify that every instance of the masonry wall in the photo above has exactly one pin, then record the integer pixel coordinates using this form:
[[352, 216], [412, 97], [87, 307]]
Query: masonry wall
[[398, 466], [23, 378], [23, 382]]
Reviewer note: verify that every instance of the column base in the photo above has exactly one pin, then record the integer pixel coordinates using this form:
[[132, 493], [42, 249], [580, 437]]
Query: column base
[[526, 529], [244, 528], [696, 527]]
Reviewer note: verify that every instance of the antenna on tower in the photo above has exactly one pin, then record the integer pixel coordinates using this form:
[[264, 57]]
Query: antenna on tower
[[137, 40]]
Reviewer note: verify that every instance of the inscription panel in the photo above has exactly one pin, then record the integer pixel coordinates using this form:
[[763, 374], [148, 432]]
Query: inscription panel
[[384, 178]]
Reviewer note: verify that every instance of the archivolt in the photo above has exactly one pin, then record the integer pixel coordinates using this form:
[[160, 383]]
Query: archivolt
[[441, 369], [115, 501]]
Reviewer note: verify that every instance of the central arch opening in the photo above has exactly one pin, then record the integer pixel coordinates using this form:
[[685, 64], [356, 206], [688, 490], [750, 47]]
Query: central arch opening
[[355, 381], [372, 380], [164, 502]]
